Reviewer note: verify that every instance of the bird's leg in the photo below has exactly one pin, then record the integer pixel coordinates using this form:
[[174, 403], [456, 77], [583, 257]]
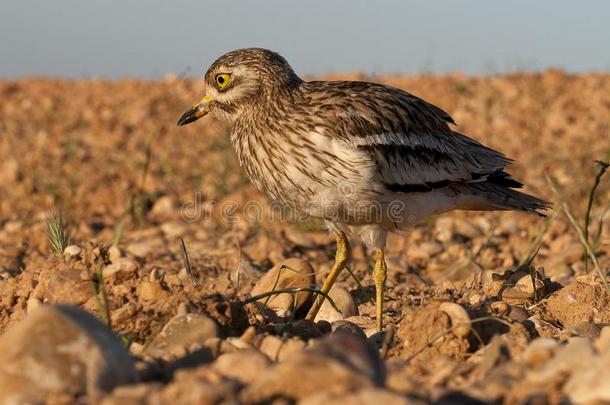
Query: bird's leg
[[341, 258], [379, 276]]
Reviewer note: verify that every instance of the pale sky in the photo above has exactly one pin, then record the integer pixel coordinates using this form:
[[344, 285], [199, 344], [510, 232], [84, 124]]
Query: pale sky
[[151, 38]]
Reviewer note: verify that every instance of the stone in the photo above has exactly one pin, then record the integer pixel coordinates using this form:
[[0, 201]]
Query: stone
[[518, 314], [9, 171], [291, 273], [500, 308], [302, 328], [145, 248], [132, 394], [343, 301], [590, 384], [289, 348], [348, 327], [163, 207], [68, 287], [457, 226], [151, 291], [586, 329], [174, 230], [336, 364], [115, 253], [522, 287], [33, 304], [120, 266], [539, 351], [578, 353], [423, 251], [366, 396], [182, 331], [243, 366], [73, 251], [60, 349], [460, 320], [602, 343], [270, 346]]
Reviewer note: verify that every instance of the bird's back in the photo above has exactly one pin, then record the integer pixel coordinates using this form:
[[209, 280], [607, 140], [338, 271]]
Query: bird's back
[[413, 145]]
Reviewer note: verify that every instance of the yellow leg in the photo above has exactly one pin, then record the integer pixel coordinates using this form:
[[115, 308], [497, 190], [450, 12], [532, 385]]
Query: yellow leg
[[379, 276], [341, 258]]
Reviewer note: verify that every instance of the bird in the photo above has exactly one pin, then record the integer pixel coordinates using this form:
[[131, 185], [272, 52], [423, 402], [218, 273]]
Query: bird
[[366, 158]]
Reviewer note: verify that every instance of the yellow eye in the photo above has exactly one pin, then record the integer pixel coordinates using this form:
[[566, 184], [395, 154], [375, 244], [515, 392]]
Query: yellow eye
[[222, 80]]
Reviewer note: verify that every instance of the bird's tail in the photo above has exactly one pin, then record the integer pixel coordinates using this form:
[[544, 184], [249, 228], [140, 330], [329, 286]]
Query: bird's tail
[[490, 195]]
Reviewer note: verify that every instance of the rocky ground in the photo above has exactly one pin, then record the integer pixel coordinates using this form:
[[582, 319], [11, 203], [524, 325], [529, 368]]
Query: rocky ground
[[481, 307]]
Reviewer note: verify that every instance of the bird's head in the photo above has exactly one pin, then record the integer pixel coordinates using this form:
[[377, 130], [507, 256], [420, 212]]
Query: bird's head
[[239, 80]]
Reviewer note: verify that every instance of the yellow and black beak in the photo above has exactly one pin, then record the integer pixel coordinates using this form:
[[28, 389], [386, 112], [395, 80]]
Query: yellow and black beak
[[199, 110]]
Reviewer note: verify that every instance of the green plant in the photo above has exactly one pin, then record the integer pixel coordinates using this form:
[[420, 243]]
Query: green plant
[[100, 294], [602, 167], [590, 252], [141, 200], [57, 231]]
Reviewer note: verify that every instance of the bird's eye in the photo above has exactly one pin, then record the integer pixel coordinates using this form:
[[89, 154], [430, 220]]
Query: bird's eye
[[222, 80]]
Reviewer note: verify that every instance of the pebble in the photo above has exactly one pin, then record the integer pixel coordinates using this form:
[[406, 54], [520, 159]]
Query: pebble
[[365, 396], [122, 265], [115, 253], [182, 331], [539, 351], [163, 207], [154, 275], [590, 383], [586, 329], [33, 304], [518, 314], [424, 251], [73, 251], [500, 308], [343, 301], [270, 346], [151, 291], [67, 286], [145, 248], [243, 365], [291, 273], [348, 327], [460, 320], [576, 354], [459, 226], [174, 229], [602, 343], [60, 349], [523, 288], [289, 348]]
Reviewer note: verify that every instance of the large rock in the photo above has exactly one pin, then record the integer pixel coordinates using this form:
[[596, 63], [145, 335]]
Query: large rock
[[291, 273], [337, 364], [180, 333], [363, 397], [590, 384], [59, 349]]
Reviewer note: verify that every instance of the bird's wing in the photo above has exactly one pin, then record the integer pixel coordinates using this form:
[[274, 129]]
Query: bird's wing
[[409, 138]]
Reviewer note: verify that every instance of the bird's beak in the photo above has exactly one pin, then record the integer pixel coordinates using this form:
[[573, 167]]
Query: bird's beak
[[199, 110]]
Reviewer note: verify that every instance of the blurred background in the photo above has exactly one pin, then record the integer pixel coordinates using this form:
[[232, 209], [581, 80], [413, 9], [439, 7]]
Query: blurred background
[[151, 38]]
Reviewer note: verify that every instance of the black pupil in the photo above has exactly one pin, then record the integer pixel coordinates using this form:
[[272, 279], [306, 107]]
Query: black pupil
[[220, 79]]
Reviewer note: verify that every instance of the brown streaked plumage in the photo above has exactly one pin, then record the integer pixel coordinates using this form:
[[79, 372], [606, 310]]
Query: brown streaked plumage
[[365, 157]]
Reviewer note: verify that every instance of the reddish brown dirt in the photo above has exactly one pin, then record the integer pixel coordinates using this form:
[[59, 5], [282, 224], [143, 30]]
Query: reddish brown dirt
[[110, 156]]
